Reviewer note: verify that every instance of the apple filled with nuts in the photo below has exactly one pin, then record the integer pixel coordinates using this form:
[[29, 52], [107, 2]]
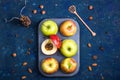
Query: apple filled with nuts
[[69, 48], [68, 65], [49, 27], [68, 28], [48, 47]]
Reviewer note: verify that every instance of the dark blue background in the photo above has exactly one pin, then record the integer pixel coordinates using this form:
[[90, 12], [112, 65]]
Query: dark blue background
[[106, 23]]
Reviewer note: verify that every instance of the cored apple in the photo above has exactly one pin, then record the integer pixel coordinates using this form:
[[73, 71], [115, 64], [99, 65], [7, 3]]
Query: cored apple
[[68, 65], [49, 27], [69, 48], [48, 47], [68, 28]]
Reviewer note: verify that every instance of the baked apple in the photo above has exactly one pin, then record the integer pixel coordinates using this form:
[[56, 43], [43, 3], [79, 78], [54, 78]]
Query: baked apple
[[68, 28]]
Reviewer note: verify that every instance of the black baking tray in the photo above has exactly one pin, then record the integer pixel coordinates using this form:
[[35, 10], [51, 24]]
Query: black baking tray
[[58, 55]]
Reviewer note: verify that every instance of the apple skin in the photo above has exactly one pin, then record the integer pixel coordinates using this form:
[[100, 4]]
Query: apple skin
[[69, 48], [56, 40], [68, 65], [49, 65], [68, 28], [49, 27]]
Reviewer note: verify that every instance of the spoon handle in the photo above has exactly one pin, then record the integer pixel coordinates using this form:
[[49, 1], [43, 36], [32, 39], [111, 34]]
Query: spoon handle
[[93, 33]]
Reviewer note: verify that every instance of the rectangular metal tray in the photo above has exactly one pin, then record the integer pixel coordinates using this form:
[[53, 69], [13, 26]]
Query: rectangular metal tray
[[58, 55]]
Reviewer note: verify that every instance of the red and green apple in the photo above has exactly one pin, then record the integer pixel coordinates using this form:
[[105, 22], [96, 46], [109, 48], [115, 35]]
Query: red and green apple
[[68, 28], [68, 65]]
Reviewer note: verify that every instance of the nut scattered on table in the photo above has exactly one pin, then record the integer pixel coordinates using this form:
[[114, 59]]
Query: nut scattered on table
[[28, 52], [43, 12], [89, 68], [29, 70], [29, 41], [14, 55], [25, 20], [94, 57], [24, 63], [12, 71], [94, 64], [90, 7], [90, 18], [41, 6], [34, 11], [23, 77], [89, 45], [101, 48]]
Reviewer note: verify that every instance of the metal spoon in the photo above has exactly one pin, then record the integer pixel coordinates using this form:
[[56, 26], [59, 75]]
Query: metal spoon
[[72, 9]]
